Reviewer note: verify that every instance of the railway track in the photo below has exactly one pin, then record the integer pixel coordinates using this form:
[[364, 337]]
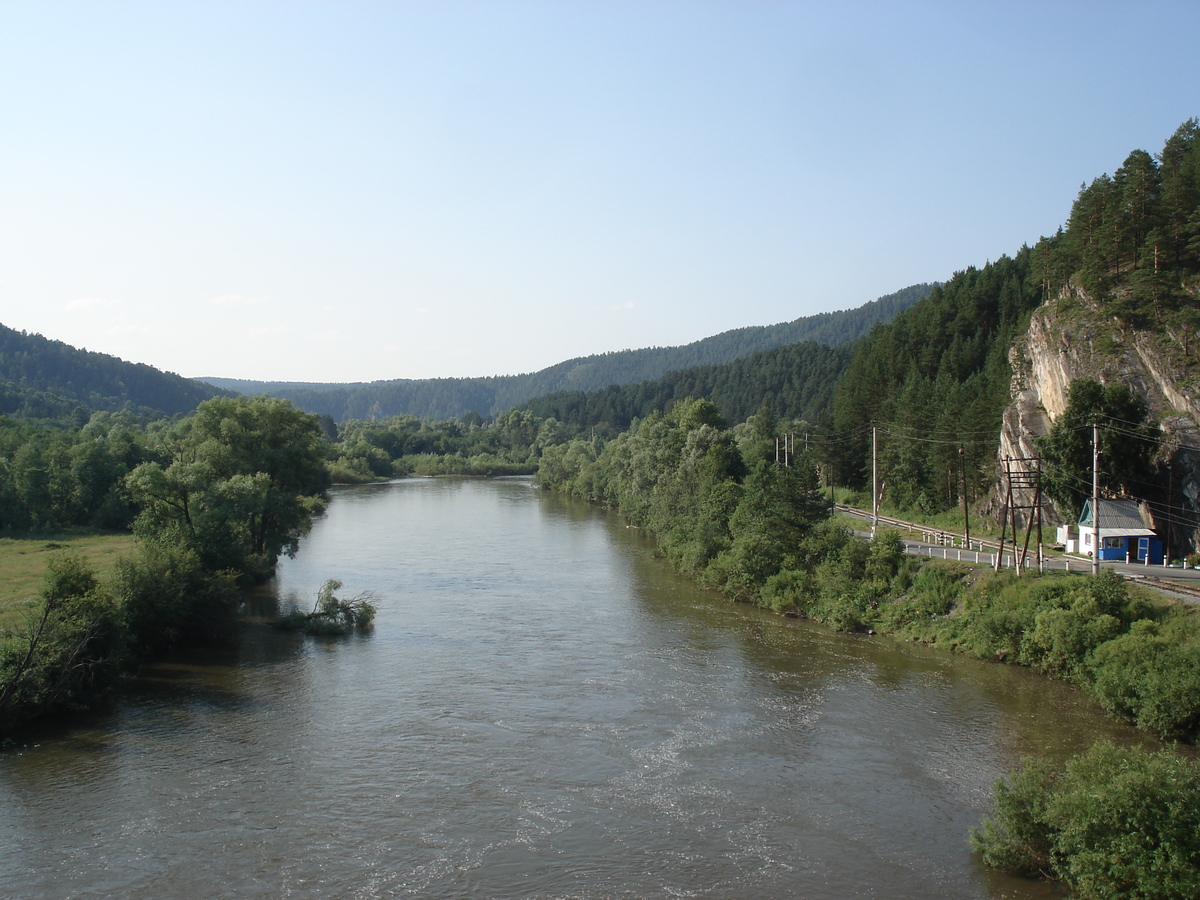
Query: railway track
[[1176, 587]]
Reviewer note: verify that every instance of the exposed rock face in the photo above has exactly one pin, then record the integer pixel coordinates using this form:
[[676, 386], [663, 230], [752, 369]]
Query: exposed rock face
[[1063, 345]]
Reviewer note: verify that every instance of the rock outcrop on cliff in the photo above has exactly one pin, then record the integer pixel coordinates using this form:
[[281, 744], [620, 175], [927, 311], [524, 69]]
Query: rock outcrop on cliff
[[1067, 340]]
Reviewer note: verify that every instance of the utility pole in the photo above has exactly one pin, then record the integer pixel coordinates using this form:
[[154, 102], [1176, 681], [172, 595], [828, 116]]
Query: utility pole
[[1034, 476], [1095, 498], [1168, 517], [962, 458], [874, 480], [1004, 519], [832, 493]]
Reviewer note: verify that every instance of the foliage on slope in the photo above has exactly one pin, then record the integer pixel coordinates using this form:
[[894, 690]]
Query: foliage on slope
[[796, 381], [44, 379], [1132, 242], [937, 378]]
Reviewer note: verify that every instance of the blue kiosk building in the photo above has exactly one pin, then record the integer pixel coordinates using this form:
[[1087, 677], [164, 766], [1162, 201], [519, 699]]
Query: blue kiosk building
[[1123, 534]]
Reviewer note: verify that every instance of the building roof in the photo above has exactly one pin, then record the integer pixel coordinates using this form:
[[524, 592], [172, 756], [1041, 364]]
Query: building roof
[[1118, 518]]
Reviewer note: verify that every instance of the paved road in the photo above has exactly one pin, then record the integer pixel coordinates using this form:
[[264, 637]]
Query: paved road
[[1055, 562], [1151, 576]]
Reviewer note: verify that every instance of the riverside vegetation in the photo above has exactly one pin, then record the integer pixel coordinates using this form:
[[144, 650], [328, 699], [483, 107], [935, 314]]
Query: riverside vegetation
[[214, 500], [1114, 823], [332, 615]]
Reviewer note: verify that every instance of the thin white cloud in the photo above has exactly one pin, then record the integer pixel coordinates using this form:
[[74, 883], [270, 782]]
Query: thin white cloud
[[129, 327], [234, 300], [620, 306], [332, 334], [91, 303], [267, 331]]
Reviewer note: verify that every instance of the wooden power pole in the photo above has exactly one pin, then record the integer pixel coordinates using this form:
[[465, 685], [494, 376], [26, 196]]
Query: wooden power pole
[[1096, 498]]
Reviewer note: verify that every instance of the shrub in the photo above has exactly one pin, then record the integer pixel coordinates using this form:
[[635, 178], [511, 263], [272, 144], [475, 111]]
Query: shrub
[[1114, 823], [1062, 640], [332, 615], [789, 592], [351, 470], [168, 600], [886, 556], [66, 654], [936, 588], [1015, 837], [855, 609], [1151, 676], [930, 593]]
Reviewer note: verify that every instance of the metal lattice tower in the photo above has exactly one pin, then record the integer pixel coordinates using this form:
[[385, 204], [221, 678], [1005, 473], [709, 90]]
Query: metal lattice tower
[[1022, 476]]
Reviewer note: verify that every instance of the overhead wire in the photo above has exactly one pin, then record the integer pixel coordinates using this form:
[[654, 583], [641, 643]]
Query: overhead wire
[[1165, 512]]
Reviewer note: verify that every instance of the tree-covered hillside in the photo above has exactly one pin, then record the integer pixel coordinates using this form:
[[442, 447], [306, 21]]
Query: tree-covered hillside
[[443, 398], [47, 379], [934, 380], [793, 382], [1132, 242], [937, 378]]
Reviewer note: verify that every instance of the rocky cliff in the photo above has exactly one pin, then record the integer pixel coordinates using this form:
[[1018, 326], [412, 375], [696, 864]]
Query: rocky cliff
[[1067, 340]]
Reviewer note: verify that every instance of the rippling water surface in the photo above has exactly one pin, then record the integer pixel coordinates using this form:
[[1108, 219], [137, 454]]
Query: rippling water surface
[[543, 710]]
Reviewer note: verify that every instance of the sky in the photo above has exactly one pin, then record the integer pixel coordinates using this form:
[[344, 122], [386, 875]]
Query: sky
[[352, 191]]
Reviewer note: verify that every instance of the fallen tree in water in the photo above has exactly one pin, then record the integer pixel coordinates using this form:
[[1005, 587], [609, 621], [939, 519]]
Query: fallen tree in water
[[332, 615]]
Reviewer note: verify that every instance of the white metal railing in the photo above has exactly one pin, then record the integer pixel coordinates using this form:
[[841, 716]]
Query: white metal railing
[[1029, 561]]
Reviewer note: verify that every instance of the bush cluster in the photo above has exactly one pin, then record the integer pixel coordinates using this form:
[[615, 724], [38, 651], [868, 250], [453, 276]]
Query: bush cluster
[[86, 632], [331, 615], [405, 445], [220, 496], [1113, 824], [1140, 660]]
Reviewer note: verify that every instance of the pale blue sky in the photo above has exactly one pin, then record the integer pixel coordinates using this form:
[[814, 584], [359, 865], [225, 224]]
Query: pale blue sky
[[355, 190]]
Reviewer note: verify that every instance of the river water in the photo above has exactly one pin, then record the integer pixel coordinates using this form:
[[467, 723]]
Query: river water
[[542, 710]]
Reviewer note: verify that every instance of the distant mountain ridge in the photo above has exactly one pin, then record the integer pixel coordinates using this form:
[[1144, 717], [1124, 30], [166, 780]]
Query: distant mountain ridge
[[46, 379], [444, 398]]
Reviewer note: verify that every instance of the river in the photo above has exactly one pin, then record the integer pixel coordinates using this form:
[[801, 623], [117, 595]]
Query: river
[[543, 710]]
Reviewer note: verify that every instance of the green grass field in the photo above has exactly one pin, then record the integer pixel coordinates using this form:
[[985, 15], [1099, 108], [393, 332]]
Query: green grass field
[[23, 566]]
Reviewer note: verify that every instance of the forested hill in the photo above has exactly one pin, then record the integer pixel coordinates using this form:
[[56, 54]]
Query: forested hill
[[937, 378], [443, 398], [46, 379], [932, 381], [792, 382]]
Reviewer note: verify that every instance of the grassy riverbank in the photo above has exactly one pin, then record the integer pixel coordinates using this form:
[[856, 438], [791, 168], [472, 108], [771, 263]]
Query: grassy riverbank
[[24, 561]]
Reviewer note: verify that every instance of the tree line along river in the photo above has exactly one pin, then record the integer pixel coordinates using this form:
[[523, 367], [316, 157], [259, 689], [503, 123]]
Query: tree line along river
[[544, 709]]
